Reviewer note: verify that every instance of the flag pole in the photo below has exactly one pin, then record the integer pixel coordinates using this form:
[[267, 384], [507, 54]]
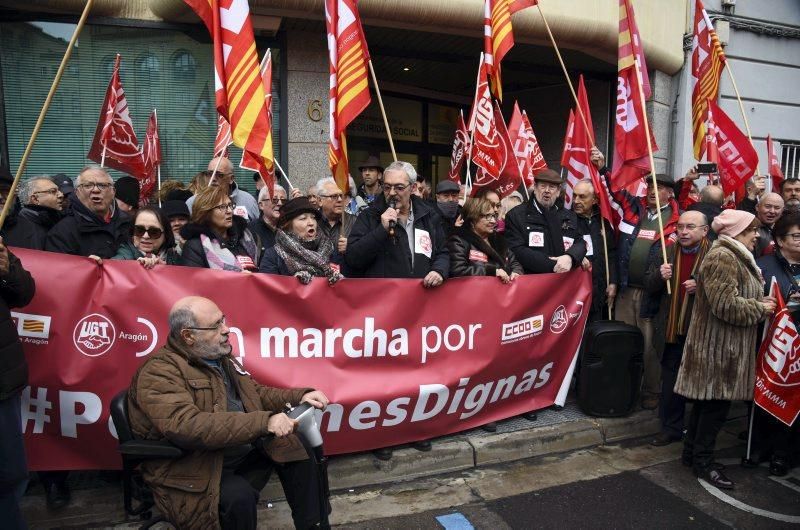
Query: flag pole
[[652, 163], [566, 75], [216, 168], [383, 110], [605, 257], [741, 109], [285, 176], [103, 158], [26, 154], [158, 166], [471, 128]]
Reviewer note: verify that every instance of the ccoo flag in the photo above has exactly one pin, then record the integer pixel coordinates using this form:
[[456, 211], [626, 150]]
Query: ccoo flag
[[631, 157], [708, 60], [239, 89], [349, 86], [115, 144]]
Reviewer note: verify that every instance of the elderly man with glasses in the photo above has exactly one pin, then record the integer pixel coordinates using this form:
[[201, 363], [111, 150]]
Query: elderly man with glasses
[[220, 173], [336, 222], [233, 430], [94, 225], [267, 223], [41, 209]]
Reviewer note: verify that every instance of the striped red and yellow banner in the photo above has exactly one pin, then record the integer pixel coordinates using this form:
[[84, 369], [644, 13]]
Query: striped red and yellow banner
[[708, 60], [349, 85]]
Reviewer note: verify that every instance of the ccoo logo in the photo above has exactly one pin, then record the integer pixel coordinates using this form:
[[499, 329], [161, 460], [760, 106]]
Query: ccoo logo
[[94, 335]]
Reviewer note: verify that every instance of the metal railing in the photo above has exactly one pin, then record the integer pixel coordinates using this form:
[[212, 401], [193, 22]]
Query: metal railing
[[790, 160]]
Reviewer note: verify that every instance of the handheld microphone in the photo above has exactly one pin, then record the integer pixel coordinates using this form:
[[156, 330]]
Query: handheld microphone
[[392, 222]]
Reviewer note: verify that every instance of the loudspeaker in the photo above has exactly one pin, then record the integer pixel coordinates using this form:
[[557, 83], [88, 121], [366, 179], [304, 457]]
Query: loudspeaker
[[611, 366]]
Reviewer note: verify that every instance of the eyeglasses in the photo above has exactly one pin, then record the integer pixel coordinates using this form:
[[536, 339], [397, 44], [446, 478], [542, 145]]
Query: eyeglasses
[[399, 188], [795, 236], [489, 217], [153, 231], [690, 227], [215, 327], [225, 207], [52, 191], [335, 196], [276, 200], [89, 186]]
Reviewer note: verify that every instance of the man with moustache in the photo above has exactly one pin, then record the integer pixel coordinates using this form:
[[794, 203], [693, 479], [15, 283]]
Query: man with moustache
[[598, 251], [673, 312], [372, 176], [336, 223], [194, 394], [545, 237]]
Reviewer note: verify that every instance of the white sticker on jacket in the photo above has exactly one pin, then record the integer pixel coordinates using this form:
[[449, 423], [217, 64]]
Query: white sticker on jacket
[[536, 239], [649, 235], [568, 241], [589, 247], [477, 255], [422, 242], [241, 211]]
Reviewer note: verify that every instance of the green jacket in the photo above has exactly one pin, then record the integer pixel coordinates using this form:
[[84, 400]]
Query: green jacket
[[128, 251]]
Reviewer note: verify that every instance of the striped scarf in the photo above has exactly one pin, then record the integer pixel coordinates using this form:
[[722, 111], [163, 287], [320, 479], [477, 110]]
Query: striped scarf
[[677, 321]]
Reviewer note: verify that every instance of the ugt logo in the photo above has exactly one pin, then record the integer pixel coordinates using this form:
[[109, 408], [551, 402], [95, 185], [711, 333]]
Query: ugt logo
[[94, 335]]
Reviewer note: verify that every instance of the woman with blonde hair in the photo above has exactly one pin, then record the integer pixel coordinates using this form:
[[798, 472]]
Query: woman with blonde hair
[[217, 239]]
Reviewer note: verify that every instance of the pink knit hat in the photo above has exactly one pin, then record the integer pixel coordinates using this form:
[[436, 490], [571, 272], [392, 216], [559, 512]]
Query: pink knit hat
[[732, 222]]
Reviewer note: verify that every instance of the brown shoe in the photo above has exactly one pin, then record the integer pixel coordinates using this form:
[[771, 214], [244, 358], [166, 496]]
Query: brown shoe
[[650, 402]]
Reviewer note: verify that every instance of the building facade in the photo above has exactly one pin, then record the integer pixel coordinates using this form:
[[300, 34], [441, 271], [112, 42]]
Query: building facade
[[425, 54]]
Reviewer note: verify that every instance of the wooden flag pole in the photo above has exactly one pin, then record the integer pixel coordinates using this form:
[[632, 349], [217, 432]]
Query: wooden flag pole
[[26, 154], [216, 168], [605, 257], [652, 164], [285, 176], [741, 109], [566, 75], [383, 110]]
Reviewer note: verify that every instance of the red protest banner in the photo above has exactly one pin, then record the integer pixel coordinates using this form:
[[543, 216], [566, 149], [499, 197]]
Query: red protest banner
[[394, 372], [777, 388]]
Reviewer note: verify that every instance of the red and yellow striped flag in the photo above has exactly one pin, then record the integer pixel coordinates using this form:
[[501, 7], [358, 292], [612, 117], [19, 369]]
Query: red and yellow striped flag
[[349, 89], [239, 89], [498, 36], [708, 60]]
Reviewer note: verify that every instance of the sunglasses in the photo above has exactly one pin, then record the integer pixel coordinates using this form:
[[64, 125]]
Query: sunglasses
[[154, 231]]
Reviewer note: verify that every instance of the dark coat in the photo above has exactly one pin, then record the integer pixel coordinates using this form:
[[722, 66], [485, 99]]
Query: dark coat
[[372, 254], [533, 240], [591, 228], [130, 252], [16, 290], [775, 266], [193, 254], [33, 224], [272, 263], [265, 234], [471, 256], [82, 233], [177, 397]]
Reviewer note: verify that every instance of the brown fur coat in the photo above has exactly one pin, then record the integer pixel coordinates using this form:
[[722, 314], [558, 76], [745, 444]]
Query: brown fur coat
[[720, 353]]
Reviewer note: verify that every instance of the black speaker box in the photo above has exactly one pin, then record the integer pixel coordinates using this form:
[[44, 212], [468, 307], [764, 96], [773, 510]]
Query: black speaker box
[[611, 365]]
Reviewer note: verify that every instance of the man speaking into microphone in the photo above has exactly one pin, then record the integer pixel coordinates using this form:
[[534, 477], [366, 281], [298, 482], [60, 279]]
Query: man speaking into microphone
[[399, 235]]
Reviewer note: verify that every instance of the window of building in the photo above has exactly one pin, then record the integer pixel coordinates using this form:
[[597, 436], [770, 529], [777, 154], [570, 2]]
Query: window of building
[[790, 159], [163, 69]]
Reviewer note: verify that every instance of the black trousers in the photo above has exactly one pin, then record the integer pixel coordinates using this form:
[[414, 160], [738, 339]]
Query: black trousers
[[705, 422], [240, 488], [771, 437], [672, 406], [13, 467]]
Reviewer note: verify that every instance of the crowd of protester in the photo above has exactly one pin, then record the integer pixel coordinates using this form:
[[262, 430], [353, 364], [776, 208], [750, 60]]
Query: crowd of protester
[[700, 334]]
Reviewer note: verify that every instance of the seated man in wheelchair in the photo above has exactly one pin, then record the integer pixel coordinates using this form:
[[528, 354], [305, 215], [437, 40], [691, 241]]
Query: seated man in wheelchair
[[233, 431]]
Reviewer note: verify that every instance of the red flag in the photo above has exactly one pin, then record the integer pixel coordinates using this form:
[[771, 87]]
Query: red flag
[[777, 384], [774, 164], [631, 157], [249, 161], [505, 177], [568, 138], [519, 5], [349, 87], [737, 158], [240, 95], [579, 165], [460, 149], [115, 144], [223, 139], [526, 148], [151, 152], [487, 145]]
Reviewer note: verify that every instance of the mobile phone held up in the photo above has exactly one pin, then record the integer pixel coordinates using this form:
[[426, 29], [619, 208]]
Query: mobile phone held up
[[707, 169]]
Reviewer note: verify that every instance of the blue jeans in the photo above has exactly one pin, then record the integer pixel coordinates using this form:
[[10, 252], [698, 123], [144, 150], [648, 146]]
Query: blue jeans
[[13, 467]]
